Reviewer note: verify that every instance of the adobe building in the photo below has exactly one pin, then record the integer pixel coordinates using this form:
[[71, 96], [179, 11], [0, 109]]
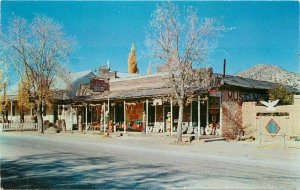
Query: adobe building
[[142, 103]]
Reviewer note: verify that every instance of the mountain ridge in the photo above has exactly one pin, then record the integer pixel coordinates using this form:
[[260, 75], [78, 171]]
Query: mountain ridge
[[271, 73]]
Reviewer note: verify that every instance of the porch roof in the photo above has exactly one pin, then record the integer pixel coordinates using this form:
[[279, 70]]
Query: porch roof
[[130, 94]]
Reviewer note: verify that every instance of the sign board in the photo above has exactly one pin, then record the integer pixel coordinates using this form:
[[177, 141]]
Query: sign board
[[272, 127], [157, 102], [99, 85], [237, 96], [135, 112]]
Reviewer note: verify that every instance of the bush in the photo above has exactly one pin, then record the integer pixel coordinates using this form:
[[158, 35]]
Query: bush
[[280, 92], [230, 132]]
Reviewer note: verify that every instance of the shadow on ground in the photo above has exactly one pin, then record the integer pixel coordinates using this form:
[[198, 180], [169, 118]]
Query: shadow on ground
[[69, 171]]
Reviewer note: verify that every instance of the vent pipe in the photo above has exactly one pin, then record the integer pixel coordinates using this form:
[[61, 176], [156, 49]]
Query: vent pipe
[[224, 68]]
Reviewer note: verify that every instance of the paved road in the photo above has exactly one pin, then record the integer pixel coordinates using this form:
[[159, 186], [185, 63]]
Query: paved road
[[75, 161]]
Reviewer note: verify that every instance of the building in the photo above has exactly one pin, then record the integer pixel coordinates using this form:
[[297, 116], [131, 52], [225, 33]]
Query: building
[[142, 103]]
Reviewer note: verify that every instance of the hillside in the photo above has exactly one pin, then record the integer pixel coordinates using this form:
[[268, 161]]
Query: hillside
[[272, 73]]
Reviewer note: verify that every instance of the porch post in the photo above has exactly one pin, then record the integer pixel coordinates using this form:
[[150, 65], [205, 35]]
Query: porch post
[[104, 117], [124, 117], [91, 115], [199, 117], [155, 115], [163, 118], [115, 113], [86, 117], [147, 116], [207, 112], [191, 114], [71, 117], [108, 108], [97, 114], [171, 117], [11, 111], [59, 115], [221, 114], [63, 112], [108, 116], [115, 127]]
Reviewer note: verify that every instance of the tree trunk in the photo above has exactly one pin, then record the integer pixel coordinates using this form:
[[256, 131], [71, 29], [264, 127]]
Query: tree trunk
[[3, 121], [39, 115], [179, 127]]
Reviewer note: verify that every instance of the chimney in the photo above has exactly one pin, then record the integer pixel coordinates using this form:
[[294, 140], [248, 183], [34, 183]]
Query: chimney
[[103, 72], [113, 74], [224, 68]]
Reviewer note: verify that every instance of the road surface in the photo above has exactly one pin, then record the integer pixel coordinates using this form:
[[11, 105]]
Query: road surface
[[68, 161]]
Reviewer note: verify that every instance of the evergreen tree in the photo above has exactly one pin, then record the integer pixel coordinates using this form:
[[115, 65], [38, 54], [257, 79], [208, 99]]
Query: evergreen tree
[[280, 92], [132, 61]]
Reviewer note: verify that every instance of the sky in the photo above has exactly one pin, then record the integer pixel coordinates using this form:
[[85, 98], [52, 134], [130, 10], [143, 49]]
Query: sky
[[264, 32]]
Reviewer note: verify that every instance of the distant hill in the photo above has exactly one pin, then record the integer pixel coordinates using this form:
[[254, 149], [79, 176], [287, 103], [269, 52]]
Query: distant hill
[[272, 73]]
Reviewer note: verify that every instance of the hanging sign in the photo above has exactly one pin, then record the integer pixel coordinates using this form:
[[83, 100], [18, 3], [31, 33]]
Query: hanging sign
[[99, 85], [157, 102]]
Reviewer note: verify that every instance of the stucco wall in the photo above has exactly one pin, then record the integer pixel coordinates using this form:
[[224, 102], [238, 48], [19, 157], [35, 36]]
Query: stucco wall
[[231, 118], [254, 124]]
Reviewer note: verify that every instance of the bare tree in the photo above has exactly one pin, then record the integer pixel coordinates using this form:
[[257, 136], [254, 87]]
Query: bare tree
[[182, 45], [3, 88], [37, 50]]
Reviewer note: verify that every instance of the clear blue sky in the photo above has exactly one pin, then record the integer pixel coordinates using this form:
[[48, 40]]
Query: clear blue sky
[[266, 32]]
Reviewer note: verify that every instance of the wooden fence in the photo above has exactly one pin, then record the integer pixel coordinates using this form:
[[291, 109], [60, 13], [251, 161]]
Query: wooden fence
[[18, 126]]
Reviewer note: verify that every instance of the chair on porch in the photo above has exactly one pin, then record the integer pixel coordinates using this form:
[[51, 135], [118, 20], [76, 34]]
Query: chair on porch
[[95, 126]]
